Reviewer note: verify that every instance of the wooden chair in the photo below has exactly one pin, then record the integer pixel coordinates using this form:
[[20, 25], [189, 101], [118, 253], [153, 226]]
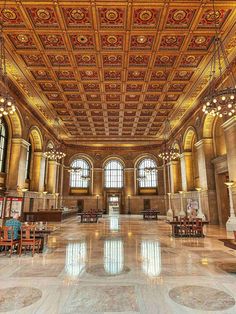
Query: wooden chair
[[197, 227], [185, 227], [7, 238], [28, 239]]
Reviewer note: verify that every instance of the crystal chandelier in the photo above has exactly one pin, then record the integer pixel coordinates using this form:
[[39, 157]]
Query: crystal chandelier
[[75, 170], [221, 102], [7, 105], [55, 153], [149, 170], [168, 153]]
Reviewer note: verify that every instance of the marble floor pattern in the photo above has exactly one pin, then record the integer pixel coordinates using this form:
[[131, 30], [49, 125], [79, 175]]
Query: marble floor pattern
[[121, 265]]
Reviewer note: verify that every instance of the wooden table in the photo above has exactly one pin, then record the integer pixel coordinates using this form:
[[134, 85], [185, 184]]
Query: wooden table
[[175, 228], [230, 243], [89, 217], [150, 214], [42, 233]]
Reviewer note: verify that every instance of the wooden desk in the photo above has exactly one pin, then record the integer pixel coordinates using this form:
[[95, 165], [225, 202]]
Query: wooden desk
[[53, 215], [89, 217], [176, 225], [150, 214]]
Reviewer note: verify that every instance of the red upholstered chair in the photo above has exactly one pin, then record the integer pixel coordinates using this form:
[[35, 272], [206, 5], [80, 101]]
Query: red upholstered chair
[[7, 238]]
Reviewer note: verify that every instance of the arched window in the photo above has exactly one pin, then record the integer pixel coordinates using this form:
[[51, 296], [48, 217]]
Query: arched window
[[28, 161], [147, 173], [114, 177], [3, 145], [80, 179]]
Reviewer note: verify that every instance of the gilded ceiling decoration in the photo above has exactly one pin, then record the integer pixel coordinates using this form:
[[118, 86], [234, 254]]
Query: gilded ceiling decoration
[[113, 71]]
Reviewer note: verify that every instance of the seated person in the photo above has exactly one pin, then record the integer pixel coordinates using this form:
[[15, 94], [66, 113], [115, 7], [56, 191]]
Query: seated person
[[16, 224]]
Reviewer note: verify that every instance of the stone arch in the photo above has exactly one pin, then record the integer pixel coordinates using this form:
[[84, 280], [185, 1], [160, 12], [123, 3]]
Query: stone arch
[[82, 156], [208, 126], [36, 138], [143, 156], [113, 157], [190, 136], [14, 123]]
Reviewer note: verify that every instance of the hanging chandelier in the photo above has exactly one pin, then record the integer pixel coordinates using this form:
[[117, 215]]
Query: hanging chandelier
[[168, 153], [74, 170], [7, 105], [55, 153], [150, 170], [219, 102]]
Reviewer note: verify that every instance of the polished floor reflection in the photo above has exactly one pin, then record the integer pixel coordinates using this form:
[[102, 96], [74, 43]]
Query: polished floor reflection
[[121, 265]]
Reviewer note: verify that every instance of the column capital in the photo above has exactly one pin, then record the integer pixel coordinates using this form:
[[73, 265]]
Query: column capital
[[40, 154], [203, 141], [20, 141], [229, 123], [185, 154]]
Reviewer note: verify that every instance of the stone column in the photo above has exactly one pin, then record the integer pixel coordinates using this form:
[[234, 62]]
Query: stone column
[[129, 188], [97, 182], [230, 141], [38, 171], [186, 171], [175, 176], [205, 154], [52, 176], [16, 174]]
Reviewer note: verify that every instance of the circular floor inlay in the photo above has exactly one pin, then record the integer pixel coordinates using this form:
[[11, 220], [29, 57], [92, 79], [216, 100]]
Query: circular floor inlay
[[15, 298], [202, 298], [99, 270]]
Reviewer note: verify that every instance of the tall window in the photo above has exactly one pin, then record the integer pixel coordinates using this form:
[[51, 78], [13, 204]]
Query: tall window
[[114, 174], [147, 173], [3, 145], [28, 161], [80, 179]]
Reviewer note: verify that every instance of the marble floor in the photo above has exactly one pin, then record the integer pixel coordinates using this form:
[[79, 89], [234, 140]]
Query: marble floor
[[121, 265]]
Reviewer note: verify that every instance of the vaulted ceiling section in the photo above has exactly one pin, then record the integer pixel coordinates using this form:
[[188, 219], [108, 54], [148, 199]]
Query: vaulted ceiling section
[[113, 71]]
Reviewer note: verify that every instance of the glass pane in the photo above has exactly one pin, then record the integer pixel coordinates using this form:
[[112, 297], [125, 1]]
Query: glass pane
[[76, 179], [149, 180], [114, 174]]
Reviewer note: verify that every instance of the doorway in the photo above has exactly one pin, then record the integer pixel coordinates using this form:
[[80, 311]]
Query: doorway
[[113, 204], [222, 197]]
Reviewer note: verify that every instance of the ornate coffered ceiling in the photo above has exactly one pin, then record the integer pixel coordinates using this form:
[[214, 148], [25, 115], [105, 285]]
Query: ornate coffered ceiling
[[113, 71]]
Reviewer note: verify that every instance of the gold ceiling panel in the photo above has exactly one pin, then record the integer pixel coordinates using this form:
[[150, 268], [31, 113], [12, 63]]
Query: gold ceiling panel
[[112, 72]]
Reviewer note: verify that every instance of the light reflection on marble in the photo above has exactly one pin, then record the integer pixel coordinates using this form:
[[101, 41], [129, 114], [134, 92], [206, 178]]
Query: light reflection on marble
[[113, 256], [89, 268], [202, 298], [18, 297], [151, 258], [76, 254]]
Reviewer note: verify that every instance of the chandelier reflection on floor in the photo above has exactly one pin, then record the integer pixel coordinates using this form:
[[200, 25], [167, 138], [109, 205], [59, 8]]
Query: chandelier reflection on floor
[[168, 153], [219, 102], [7, 105]]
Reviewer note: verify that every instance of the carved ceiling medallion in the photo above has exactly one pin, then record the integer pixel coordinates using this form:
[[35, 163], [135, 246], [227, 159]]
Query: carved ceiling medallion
[[82, 39], [212, 17], [111, 15], [179, 15], [53, 39], [145, 15], [171, 40], [112, 39], [86, 58], [43, 14], [77, 14], [141, 39], [9, 14], [23, 38], [200, 40]]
